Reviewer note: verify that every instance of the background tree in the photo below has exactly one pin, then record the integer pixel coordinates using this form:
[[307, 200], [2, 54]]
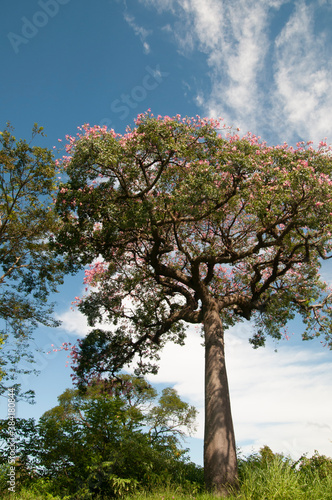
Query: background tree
[[182, 225], [29, 270], [115, 436]]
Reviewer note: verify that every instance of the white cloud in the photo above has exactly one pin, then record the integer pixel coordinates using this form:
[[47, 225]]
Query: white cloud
[[280, 399], [161, 5], [139, 31], [303, 77], [233, 36], [74, 322], [279, 88]]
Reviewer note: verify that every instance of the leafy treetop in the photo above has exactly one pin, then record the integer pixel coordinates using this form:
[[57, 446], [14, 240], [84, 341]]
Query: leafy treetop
[[29, 270], [174, 217]]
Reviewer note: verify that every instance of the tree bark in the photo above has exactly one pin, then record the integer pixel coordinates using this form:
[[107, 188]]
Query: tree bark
[[220, 462]]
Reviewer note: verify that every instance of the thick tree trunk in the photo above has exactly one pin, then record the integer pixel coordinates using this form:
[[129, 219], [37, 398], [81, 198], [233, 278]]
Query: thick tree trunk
[[220, 462]]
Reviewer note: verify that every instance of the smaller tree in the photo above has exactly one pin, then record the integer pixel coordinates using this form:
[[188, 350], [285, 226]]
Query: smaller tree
[[114, 437], [29, 270]]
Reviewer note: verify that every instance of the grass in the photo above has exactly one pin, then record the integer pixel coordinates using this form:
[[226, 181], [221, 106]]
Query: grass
[[265, 476]]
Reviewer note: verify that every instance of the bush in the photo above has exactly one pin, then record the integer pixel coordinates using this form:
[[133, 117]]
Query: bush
[[270, 476], [105, 443], [316, 465]]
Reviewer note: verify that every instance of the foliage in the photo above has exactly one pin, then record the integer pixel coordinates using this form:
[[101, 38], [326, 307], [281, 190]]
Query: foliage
[[263, 476], [273, 476], [109, 441], [26, 442], [316, 465], [29, 270], [178, 214]]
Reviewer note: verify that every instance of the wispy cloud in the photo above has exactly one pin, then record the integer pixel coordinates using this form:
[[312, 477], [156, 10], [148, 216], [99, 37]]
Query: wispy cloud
[[141, 32], [303, 76], [268, 73], [233, 35]]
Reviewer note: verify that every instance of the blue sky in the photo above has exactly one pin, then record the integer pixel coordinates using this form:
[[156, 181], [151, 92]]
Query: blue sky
[[263, 66]]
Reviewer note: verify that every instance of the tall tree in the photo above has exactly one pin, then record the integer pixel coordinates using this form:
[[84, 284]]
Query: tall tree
[[181, 224], [29, 270]]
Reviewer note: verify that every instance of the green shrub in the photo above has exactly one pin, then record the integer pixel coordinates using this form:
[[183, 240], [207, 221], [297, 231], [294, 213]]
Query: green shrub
[[316, 465], [270, 476]]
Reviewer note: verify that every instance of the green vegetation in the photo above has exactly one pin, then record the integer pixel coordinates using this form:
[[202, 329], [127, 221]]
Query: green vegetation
[[117, 437], [263, 476], [29, 270]]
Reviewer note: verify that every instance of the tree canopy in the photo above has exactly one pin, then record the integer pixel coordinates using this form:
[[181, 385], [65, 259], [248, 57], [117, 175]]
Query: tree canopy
[[182, 222], [29, 270], [111, 439]]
